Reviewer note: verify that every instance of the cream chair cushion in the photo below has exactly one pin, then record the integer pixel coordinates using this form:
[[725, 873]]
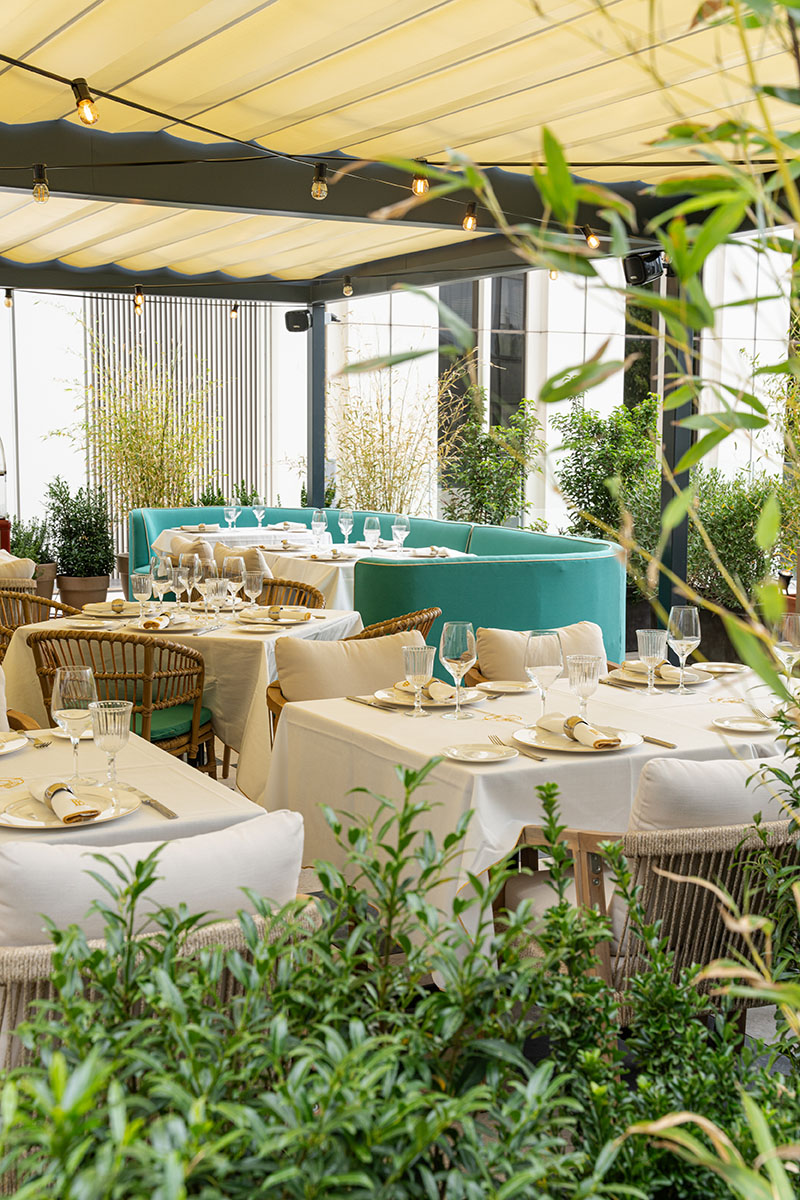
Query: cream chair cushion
[[185, 545], [205, 872], [3, 708], [310, 670], [253, 558], [501, 652], [15, 568], [679, 793]]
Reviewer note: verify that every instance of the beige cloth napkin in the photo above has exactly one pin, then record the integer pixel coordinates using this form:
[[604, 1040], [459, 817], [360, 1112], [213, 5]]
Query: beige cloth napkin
[[296, 525], [664, 671], [578, 730], [67, 807], [200, 528]]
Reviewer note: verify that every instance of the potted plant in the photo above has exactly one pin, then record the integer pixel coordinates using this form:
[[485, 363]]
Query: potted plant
[[31, 539], [80, 529]]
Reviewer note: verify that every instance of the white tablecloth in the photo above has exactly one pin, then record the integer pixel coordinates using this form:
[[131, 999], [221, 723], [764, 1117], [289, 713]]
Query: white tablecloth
[[202, 804], [248, 535], [327, 747], [239, 665]]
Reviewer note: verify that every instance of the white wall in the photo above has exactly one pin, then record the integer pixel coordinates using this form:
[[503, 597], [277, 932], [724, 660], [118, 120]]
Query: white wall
[[287, 408]]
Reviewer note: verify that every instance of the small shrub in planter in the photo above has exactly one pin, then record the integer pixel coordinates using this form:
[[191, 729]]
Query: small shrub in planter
[[31, 539], [80, 529]]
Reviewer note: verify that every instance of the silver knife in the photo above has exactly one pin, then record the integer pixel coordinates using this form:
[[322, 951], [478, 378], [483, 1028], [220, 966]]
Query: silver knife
[[210, 629], [159, 807], [374, 703]]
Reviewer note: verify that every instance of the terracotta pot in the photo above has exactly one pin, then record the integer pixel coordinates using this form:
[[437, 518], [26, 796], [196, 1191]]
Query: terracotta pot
[[123, 570], [77, 590], [45, 576]]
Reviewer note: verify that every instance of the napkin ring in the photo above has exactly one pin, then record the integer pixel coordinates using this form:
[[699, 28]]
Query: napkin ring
[[570, 725]]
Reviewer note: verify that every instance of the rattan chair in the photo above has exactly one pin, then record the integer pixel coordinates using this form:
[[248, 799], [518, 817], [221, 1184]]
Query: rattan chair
[[689, 913], [19, 606], [422, 620], [163, 679], [286, 591]]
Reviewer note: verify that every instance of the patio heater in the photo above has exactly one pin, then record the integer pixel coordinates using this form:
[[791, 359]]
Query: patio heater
[[5, 524]]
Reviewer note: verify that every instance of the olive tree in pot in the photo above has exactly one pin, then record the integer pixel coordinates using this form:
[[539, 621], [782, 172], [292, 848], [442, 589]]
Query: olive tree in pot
[[80, 529], [31, 539]]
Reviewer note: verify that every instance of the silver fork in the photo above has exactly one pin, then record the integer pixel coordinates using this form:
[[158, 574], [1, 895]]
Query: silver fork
[[498, 741], [39, 743]]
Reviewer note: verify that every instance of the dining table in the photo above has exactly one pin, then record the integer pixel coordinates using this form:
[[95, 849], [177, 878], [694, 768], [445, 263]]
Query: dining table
[[201, 804], [239, 662], [326, 748]]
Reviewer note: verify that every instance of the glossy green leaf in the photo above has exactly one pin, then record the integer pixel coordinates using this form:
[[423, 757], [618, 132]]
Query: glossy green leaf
[[562, 192], [455, 325], [769, 523], [684, 394], [700, 449], [676, 509], [772, 601], [573, 380], [790, 95], [727, 419], [717, 229], [382, 361], [751, 650]]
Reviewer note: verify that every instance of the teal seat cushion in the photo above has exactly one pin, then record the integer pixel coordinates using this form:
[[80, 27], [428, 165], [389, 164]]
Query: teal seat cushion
[[171, 722]]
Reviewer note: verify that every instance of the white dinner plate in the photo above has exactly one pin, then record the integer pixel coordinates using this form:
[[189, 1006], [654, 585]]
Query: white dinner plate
[[274, 621], [23, 812], [541, 739], [723, 668], [480, 753], [58, 732], [13, 744], [745, 724], [88, 623], [172, 627], [505, 687], [391, 696], [691, 678]]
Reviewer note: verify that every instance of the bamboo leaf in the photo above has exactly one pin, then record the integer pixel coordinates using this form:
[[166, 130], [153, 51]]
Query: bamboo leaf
[[769, 522], [677, 509], [751, 651], [700, 449]]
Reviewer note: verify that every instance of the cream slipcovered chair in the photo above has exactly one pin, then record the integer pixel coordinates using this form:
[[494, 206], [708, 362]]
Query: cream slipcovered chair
[[501, 652], [9, 718], [689, 818], [310, 670]]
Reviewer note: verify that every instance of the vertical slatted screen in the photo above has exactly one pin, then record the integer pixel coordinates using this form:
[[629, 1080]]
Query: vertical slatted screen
[[184, 334]]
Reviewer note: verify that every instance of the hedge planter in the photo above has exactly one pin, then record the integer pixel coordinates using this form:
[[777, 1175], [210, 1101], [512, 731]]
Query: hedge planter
[[45, 576], [78, 590]]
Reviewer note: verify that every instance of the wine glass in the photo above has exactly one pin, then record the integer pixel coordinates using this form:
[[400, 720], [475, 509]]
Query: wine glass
[[190, 565], [142, 588], [418, 665], [161, 575], [253, 583], [258, 512], [544, 661], [319, 523], [683, 635], [346, 520], [787, 647], [457, 653], [233, 569], [73, 691], [652, 645], [584, 677], [180, 582], [401, 527], [111, 725], [230, 513], [372, 532], [207, 574], [217, 590]]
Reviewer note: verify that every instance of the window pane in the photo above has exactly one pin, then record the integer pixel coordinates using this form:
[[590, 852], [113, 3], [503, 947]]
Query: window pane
[[507, 347]]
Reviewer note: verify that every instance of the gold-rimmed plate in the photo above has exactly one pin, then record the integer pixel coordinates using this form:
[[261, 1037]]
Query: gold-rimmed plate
[[542, 739], [23, 812]]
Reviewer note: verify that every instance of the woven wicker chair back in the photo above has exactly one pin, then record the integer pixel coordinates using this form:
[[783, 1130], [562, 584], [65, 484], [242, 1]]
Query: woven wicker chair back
[[286, 591], [422, 620]]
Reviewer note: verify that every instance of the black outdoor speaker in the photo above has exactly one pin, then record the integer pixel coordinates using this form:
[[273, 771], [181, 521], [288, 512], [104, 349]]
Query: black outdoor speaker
[[298, 320], [643, 267]]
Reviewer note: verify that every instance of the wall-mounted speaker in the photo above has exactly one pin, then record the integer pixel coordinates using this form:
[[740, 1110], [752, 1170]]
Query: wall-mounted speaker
[[298, 320]]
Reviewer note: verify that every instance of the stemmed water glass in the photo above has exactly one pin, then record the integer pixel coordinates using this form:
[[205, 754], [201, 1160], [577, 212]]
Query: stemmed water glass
[[652, 644], [418, 665], [584, 677], [372, 533], [401, 527], [111, 724], [683, 635], [253, 583], [73, 691], [258, 512], [787, 647], [161, 574], [544, 661], [205, 581], [457, 653], [233, 568], [217, 590], [319, 523], [230, 513], [346, 520], [142, 588]]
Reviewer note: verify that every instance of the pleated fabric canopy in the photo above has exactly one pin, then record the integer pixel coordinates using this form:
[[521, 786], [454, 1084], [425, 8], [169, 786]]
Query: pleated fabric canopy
[[367, 79]]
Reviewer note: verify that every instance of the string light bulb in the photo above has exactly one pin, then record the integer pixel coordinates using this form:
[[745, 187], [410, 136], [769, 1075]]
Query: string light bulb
[[41, 191], [419, 184], [347, 286], [138, 302], [234, 312], [553, 273], [84, 102], [470, 222], [319, 188], [9, 298], [592, 240]]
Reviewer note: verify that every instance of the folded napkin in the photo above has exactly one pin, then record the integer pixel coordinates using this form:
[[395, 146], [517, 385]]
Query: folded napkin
[[287, 525], [381, 544], [432, 552], [199, 528], [11, 735], [435, 689], [105, 608], [578, 730], [67, 806], [664, 671], [153, 622]]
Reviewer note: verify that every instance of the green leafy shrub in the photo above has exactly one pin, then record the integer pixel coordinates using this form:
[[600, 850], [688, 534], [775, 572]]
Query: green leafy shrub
[[244, 494], [486, 471], [212, 496], [31, 539], [80, 529]]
